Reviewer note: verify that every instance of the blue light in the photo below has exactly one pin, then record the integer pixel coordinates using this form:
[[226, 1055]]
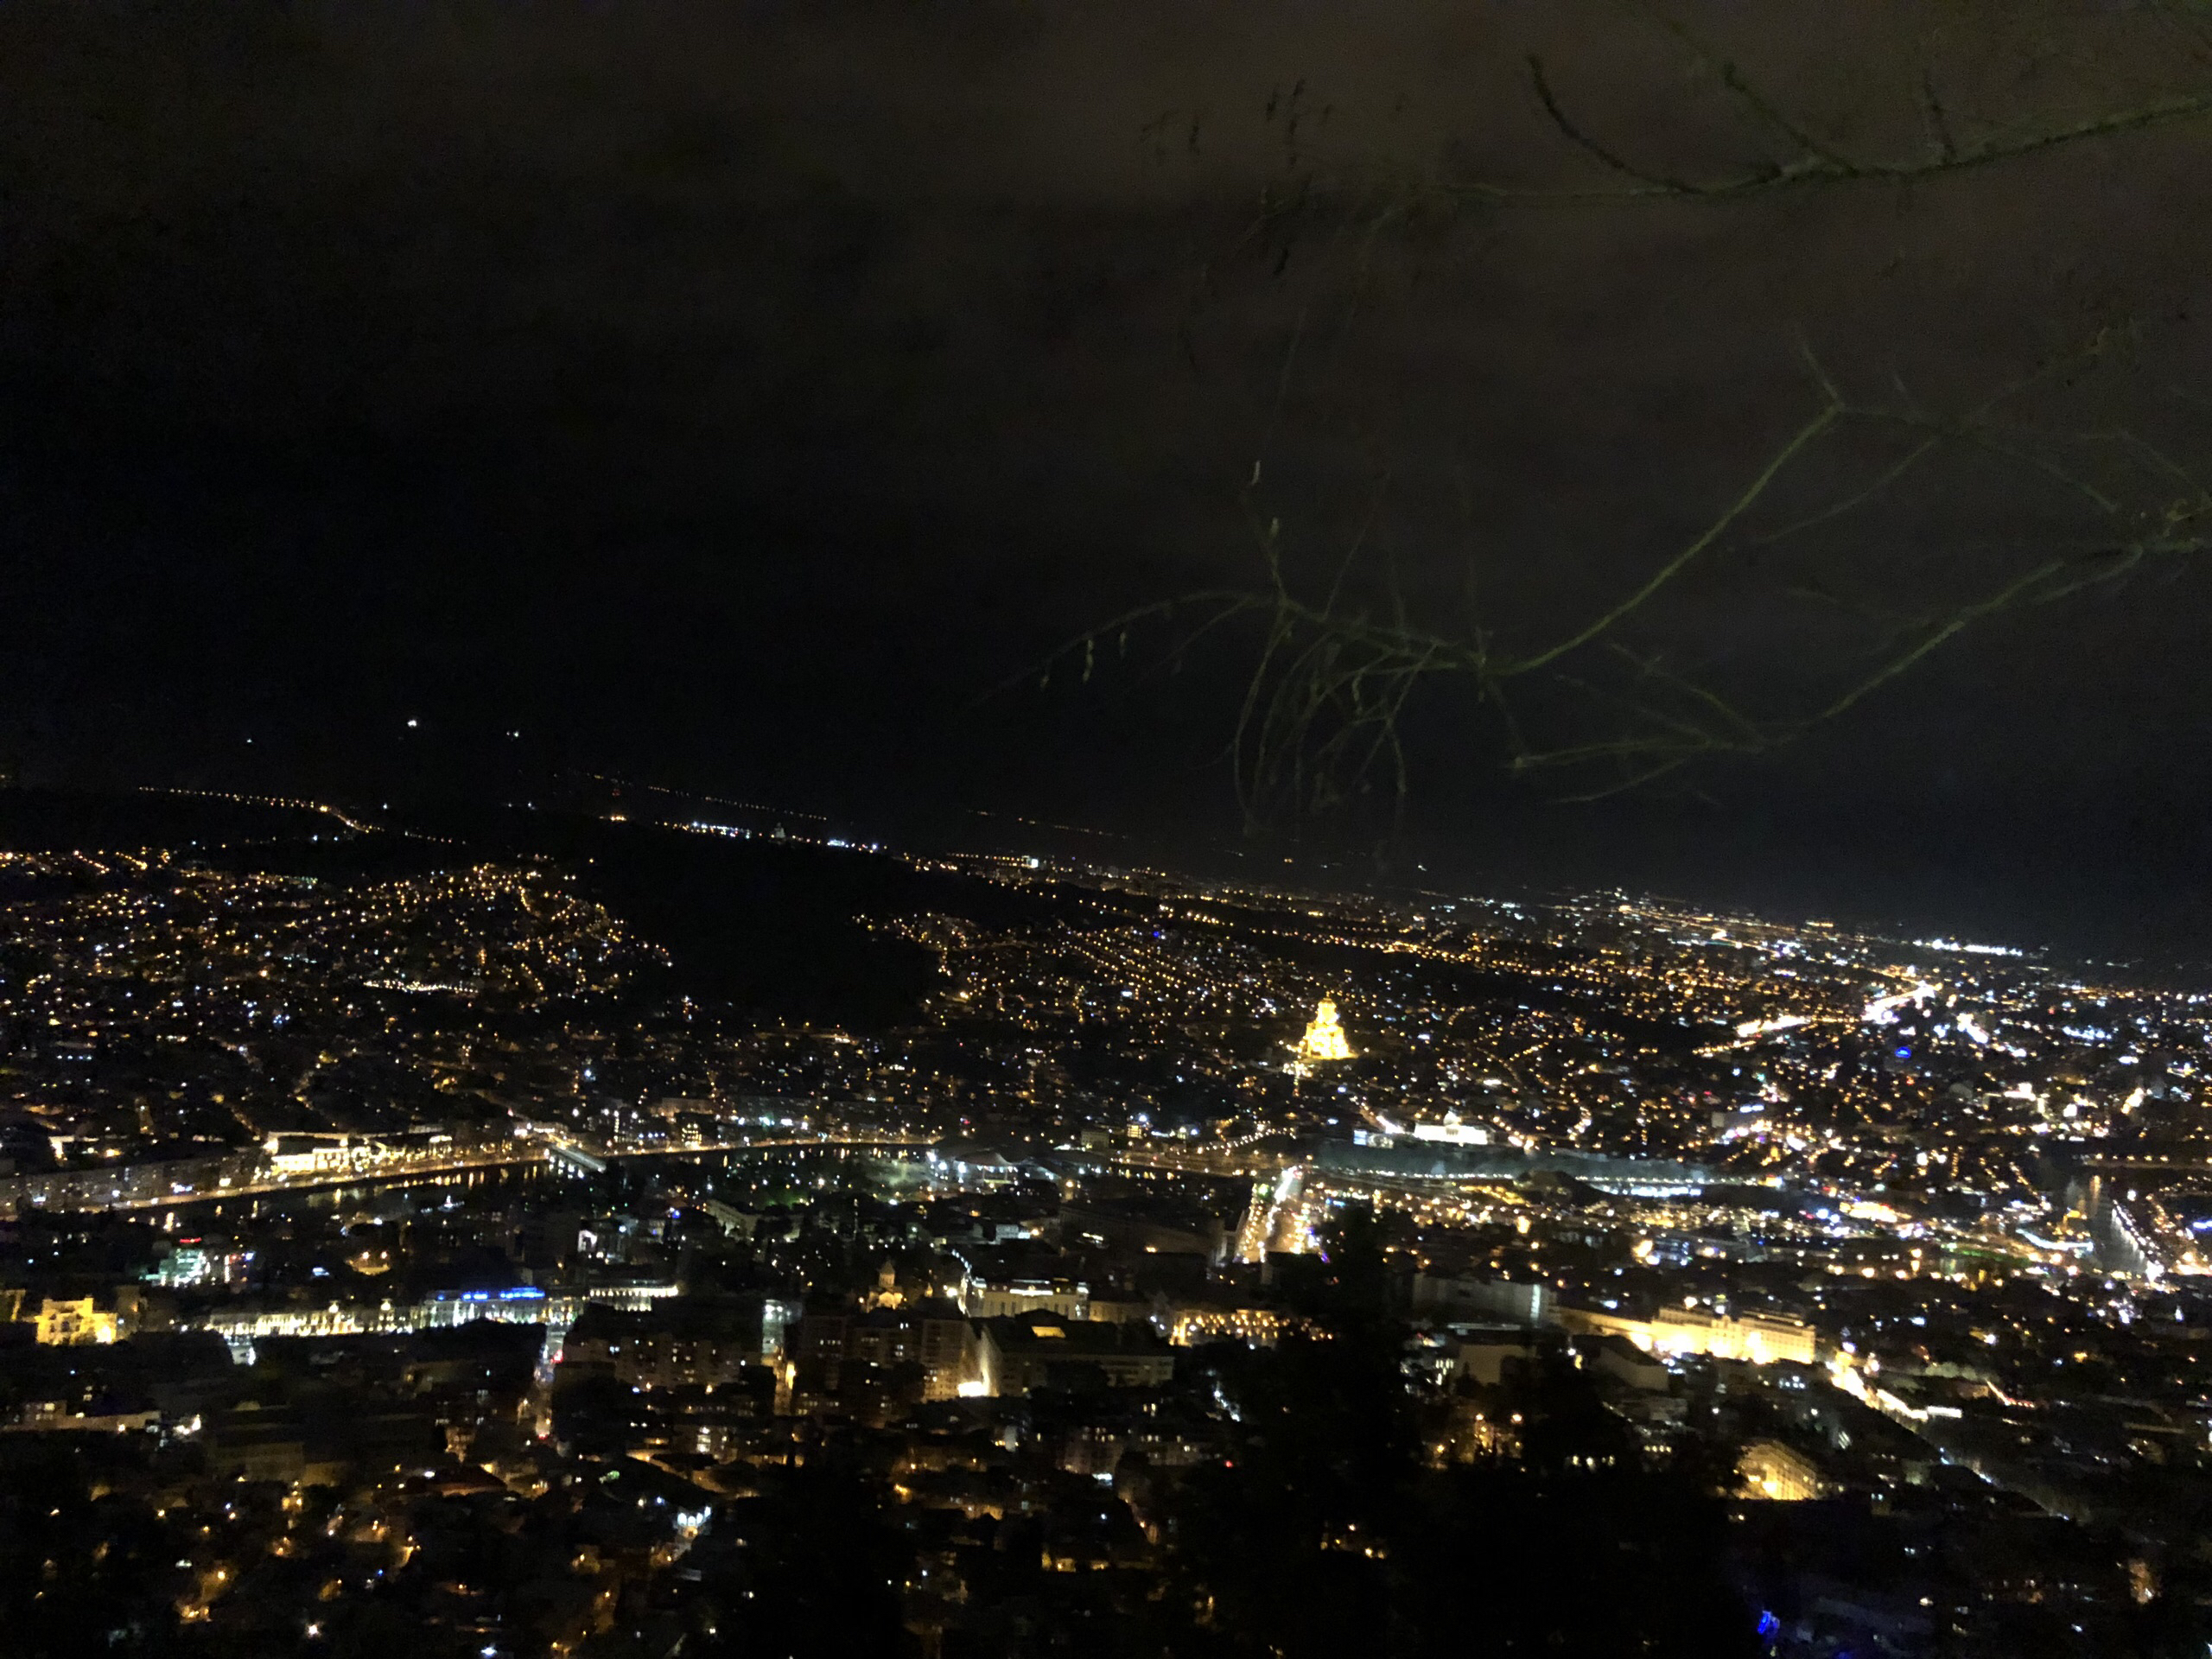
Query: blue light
[[1768, 1624], [1905, 1053], [527, 1294]]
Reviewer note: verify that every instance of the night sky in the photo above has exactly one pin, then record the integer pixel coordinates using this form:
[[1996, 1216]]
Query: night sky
[[732, 395]]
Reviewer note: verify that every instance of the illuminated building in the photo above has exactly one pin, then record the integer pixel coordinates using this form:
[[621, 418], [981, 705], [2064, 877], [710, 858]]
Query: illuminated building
[[1781, 1473], [190, 1264], [1189, 1325], [1759, 1339], [932, 1333], [312, 1154], [1013, 1298], [669, 1347], [75, 1323], [1452, 1132], [240, 1326], [1325, 1038]]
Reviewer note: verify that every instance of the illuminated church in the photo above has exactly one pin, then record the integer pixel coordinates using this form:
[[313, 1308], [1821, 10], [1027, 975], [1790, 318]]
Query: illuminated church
[[1325, 1038]]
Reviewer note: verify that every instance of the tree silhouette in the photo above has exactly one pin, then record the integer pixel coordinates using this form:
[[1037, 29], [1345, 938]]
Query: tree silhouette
[[1338, 650]]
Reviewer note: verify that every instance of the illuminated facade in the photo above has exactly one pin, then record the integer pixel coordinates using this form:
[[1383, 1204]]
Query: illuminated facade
[[1762, 1341], [1013, 1298], [1325, 1038], [1780, 1473], [1255, 1327], [239, 1327], [1452, 1132], [75, 1323], [1758, 1338]]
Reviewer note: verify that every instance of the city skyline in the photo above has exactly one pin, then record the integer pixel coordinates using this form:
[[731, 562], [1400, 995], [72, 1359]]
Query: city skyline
[[975, 829], [883, 411], [1857, 1211]]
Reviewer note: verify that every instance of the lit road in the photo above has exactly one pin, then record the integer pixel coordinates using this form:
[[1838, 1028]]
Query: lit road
[[1239, 1163], [155, 1186]]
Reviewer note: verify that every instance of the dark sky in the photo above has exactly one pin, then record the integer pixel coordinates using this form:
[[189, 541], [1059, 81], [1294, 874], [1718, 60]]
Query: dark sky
[[729, 394]]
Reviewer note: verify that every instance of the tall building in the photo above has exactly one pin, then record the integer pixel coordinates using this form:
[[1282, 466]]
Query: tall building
[[1325, 1038]]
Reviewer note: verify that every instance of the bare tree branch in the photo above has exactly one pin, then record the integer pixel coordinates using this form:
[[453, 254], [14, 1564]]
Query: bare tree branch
[[1339, 659], [1322, 713], [1815, 161]]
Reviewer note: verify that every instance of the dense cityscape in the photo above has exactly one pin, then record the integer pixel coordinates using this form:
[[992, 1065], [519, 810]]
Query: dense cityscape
[[401, 1254], [974, 830]]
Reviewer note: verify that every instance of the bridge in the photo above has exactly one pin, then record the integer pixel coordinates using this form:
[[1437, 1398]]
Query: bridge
[[1240, 1161], [163, 1185], [2175, 1162]]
